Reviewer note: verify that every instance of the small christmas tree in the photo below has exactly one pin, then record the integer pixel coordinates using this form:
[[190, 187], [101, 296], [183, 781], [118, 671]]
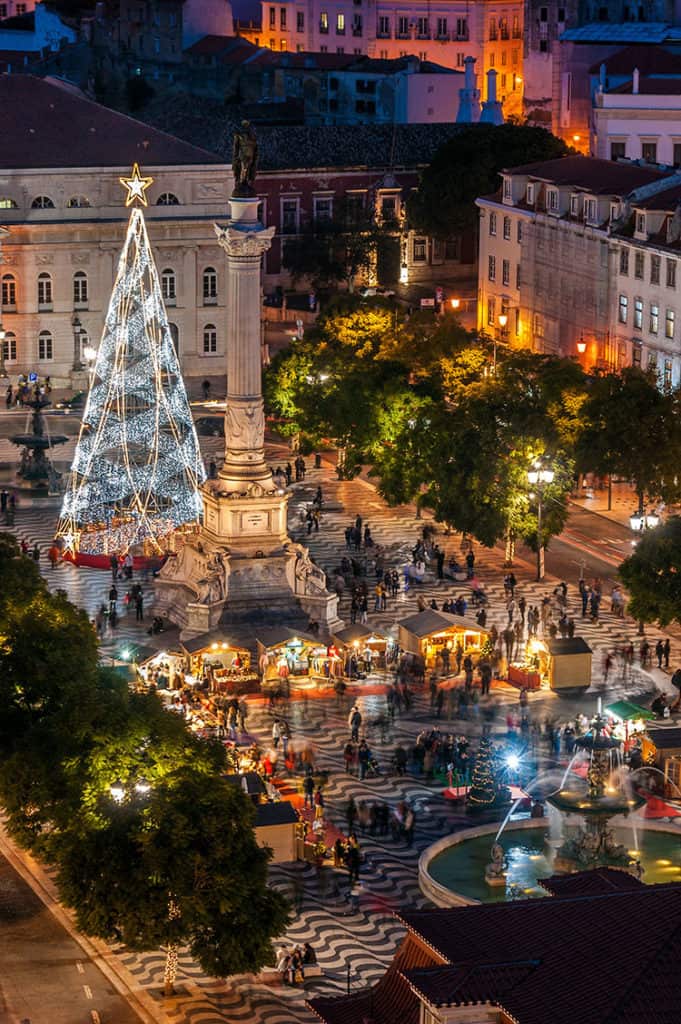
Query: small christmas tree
[[137, 469], [483, 789]]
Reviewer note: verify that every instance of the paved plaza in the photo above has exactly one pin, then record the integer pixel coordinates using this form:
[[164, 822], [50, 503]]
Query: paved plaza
[[353, 946]]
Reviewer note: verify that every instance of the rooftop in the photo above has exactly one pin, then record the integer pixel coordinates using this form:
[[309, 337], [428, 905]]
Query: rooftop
[[648, 59], [649, 86], [46, 123], [626, 32], [600, 177], [665, 201], [590, 883]]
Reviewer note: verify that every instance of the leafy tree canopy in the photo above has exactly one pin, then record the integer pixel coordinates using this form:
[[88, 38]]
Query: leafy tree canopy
[[652, 574], [468, 166]]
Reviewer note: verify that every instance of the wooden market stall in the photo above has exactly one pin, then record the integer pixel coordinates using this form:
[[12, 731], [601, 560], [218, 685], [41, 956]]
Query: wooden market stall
[[165, 669], [289, 657], [428, 632], [362, 648], [569, 663], [276, 822], [629, 721], [226, 667], [662, 747]]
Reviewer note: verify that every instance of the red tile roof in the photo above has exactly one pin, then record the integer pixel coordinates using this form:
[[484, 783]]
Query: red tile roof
[[469, 983], [648, 59], [45, 123], [601, 177], [588, 883]]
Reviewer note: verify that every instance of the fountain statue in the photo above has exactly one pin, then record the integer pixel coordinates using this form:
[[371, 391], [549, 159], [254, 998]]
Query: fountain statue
[[35, 469], [595, 845], [495, 872]]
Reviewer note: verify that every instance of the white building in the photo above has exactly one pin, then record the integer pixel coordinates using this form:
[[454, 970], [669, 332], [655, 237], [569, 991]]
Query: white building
[[63, 207], [14, 8], [37, 30], [548, 255]]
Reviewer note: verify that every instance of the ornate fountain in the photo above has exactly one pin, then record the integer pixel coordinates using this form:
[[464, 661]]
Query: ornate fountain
[[35, 469], [594, 844]]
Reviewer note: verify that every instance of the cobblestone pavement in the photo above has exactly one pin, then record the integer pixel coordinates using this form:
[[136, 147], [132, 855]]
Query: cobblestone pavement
[[353, 947]]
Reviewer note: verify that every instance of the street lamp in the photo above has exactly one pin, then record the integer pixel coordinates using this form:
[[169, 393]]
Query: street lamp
[[455, 303], [581, 345], [77, 328], [538, 477], [3, 335]]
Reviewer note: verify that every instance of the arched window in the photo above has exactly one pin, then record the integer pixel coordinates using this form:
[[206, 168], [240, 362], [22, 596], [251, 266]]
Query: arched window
[[45, 346], [10, 347], [78, 202], [167, 199], [7, 204], [168, 286], [210, 286], [175, 335], [9, 292], [80, 289], [210, 340], [42, 203], [44, 290]]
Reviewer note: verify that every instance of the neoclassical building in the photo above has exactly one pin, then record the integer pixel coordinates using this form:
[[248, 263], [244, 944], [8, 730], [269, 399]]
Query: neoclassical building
[[63, 210]]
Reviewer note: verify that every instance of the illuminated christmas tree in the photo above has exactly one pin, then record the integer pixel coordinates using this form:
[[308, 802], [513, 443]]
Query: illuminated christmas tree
[[483, 788], [137, 468]]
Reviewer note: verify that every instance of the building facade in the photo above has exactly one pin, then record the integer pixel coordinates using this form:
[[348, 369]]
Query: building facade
[[548, 259], [445, 33]]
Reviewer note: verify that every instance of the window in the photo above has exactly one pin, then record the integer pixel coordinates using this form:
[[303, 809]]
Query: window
[[300, 21], [491, 268], [210, 286], [529, 195], [543, 14], [491, 60], [42, 203], [552, 200], [636, 354], [322, 209], [671, 273], [618, 150], [44, 291], [639, 265], [492, 29], [384, 26], [517, 276], [340, 24], [574, 206], [403, 27], [669, 318], [649, 152], [561, 14], [45, 345], [624, 262], [624, 304], [507, 228], [323, 22], [168, 285], [652, 360], [519, 232], [289, 216], [638, 314], [591, 210], [9, 291], [503, 61], [441, 28], [80, 289], [614, 211], [460, 58], [10, 347], [677, 154], [283, 45], [667, 378], [492, 223], [640, 223], [508, 189], [419, 250], [506, 273], [7, 204], [273, 17], [167, 199], [210, 340], [655, 263], [462, 28], [78, 202], [282, 19], [3, 11], [654, 322], [490, 311], [422, 28]]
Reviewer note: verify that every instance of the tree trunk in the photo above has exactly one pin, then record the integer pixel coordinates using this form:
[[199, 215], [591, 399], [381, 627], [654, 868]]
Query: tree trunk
[[170, 972], [509, 554]]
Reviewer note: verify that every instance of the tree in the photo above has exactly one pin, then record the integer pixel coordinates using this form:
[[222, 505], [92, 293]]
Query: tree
[[468, 166], [630, 428], [486, 789], [652, 574], [180, 868]]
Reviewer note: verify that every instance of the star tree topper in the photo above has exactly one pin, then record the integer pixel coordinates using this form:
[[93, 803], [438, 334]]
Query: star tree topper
[[136, 185]]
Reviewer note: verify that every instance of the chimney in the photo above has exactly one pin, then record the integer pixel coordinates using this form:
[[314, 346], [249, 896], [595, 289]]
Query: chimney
[[635, 79], [602, 72], [492, 112], [469, 96]]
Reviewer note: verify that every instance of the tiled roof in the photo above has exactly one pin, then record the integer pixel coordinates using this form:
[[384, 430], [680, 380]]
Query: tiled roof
[[569, 645], [649, 87], [589, 883], [627, 32], [429, 621], [665, 739], [469, 983], [47, 124], [667, 200], [656, 60], [601, 177]]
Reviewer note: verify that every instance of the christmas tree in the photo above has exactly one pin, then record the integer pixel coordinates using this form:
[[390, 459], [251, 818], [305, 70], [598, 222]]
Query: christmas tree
[[483, 788], [137, 467]]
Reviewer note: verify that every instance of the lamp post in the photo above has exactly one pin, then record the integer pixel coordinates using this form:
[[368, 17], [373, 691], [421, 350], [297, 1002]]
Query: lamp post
[[581, 345], [3, 335], [503, 320], [455, 304], [77, 328], [538, 477]]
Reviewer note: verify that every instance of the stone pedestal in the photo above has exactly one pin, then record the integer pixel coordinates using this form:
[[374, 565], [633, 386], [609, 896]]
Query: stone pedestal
[[243, 566]]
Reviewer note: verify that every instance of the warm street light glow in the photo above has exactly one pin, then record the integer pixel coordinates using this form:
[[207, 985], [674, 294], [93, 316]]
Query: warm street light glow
[[652, 520], [503, 320], [455, 303], [142, 787], [90, 353], [581, 346], [117, 791]]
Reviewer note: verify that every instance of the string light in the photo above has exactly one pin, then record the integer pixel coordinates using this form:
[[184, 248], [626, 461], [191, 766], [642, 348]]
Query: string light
[[137, 467]]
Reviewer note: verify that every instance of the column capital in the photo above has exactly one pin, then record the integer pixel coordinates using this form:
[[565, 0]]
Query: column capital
[[237, 242]]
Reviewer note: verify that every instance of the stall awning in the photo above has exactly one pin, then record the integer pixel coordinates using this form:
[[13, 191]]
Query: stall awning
[[276, 635], [205, 641], [429, 621], [627, 711], [357, 632], [140, 654]]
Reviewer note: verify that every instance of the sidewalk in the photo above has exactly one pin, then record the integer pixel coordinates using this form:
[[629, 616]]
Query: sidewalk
[[624, 501]]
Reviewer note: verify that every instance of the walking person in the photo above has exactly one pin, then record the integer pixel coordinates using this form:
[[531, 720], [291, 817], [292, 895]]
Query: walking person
[[666, 652], [659, 653], [113, 599], [139, 606], [354, 722]]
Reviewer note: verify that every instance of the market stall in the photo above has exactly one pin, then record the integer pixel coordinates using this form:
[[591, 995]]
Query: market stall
[[288, 657], [430, 632], [165, 669], [363, 649], [214, 659], [662, 748], [569, 663], [531, 670], [629, 721]]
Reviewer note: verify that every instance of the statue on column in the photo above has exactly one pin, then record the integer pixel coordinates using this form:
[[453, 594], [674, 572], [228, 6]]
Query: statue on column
[[244, 161]]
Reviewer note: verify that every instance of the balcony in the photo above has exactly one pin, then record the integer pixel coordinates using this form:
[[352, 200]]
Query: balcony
[[442, 37], [357, 33], [504, 35], [383, 35]]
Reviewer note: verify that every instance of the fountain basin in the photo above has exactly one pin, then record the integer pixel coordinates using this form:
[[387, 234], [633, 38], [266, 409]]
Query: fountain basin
[[452, 870]]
